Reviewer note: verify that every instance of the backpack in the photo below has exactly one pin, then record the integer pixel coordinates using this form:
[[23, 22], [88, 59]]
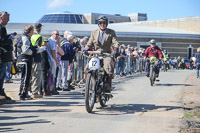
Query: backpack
[[18, 45]]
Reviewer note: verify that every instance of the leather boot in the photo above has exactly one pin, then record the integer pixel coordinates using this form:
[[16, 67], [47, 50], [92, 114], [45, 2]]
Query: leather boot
[[108, 84]]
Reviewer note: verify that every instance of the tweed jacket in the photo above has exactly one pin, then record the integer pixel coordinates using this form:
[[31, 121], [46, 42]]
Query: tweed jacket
[[109, 40]]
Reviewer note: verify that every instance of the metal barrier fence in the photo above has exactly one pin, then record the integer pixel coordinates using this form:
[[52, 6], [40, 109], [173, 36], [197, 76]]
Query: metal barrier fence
[[123, 66]]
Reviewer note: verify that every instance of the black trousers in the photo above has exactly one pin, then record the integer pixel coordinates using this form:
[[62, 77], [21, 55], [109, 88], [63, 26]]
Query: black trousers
[[25, 77], [44, 74]]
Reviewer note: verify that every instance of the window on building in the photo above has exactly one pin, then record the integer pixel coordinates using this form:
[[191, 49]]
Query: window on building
[[96, 21], [111, 21]]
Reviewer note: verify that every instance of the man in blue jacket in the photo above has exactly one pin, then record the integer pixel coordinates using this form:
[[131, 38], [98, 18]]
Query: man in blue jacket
[[67, 59]]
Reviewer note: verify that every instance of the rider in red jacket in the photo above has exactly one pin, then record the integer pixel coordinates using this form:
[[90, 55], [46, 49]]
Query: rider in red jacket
[[152, 50]]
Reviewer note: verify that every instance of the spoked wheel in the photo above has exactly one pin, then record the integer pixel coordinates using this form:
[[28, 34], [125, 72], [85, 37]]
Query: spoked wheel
[[90, 93], [152, 76]]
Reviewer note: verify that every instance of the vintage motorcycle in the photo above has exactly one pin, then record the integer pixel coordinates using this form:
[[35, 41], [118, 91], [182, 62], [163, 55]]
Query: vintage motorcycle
[[95, 82]]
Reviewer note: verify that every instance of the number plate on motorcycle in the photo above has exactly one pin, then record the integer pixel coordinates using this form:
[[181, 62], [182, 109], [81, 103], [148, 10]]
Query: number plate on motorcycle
[[94, 64]]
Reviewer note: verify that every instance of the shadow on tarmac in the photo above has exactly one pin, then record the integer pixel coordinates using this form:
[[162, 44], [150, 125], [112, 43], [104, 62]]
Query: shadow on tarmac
[[173, 84], [121, 109], [13, 123], [36, 106]]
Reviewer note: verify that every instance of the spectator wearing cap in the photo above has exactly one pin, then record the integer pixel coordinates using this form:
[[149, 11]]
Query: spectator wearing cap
[[5, 51], [44, 70], [66, 59], [52, 57], [37, 41]]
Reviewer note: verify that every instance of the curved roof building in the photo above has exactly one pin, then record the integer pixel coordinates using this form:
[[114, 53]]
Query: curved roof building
[[65, 17], [180, 36]]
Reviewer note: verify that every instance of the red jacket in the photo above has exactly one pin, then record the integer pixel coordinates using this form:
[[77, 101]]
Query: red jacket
[[156, 52]]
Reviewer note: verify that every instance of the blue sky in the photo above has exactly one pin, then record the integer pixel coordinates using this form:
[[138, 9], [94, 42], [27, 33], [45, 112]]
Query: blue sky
[[30, 11]]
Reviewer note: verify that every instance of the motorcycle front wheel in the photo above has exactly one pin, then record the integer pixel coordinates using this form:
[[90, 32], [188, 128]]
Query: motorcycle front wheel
[[90, 93]]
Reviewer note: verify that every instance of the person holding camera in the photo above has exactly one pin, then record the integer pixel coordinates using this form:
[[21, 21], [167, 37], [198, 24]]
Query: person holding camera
[[5, 50]]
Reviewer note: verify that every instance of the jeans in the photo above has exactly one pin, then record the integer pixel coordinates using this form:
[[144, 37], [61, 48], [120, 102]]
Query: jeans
[[64, 67], [59, 77], [8, 70], [121, 64], [2, 74], [197, 68], [53, 68], [134, 65], [53, 71], [117, 67], [127, 65]]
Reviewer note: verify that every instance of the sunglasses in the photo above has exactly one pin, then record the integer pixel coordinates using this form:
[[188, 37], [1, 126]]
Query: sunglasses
[[56, 34], [102, 23]]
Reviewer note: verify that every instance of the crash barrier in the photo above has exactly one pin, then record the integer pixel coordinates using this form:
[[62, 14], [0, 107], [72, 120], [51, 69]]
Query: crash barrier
[[122, 65]]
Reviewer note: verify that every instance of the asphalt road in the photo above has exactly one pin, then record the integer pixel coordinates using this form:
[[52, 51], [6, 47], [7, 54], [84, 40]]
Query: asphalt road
[[135, 107]]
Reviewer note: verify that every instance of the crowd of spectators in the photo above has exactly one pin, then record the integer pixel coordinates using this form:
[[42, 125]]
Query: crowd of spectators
[[50, 65]]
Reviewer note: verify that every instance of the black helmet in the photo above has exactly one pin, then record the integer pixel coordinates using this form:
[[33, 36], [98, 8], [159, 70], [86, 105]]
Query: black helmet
[[103, 19]]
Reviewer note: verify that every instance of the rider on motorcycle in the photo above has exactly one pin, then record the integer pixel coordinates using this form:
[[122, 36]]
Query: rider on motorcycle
[[102, 40], [166, 55], [152, 50]]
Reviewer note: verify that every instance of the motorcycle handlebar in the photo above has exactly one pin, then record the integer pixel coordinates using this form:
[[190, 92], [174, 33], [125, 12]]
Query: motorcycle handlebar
[[94, 52]]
